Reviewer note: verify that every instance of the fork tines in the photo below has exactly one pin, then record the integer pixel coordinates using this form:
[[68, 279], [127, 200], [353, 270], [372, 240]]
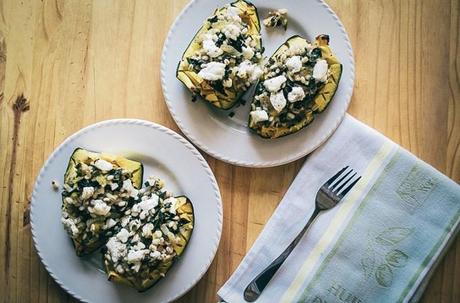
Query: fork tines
[[341, 186]]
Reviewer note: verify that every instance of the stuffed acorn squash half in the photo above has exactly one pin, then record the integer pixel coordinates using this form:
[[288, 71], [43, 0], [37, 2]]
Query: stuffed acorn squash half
[[225, 57], [152, 236], [299, 81], [98, 188]]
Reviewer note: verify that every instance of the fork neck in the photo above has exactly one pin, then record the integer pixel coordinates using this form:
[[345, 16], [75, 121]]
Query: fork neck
[[305, 228]]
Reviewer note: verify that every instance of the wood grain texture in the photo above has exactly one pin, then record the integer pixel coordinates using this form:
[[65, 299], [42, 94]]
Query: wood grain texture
[[78, 62]]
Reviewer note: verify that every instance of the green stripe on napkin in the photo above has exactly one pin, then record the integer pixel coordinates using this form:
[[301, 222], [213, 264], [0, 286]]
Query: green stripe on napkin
[[388, 242]]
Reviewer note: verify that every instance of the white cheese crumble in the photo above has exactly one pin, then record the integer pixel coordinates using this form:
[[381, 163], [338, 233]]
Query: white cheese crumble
[[155, 254], [135, 256], [87, 192], [231, 31], [296, 94], [149, 204], [116, 249], [129, 188], [110, 223], [320, 70], [258, 115], [232, 13], [147, 230], [248, 53], [213, 71], [245, 69], [70, 226], [123, 235], [209, 46], [124, 221], [103, 165], [294, 64], [100, 208], [173, 201], [278, 101], [256, 73], [274, 84]]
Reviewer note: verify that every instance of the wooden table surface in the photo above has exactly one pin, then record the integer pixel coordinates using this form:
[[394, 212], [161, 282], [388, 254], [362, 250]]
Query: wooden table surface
[[67, 64]]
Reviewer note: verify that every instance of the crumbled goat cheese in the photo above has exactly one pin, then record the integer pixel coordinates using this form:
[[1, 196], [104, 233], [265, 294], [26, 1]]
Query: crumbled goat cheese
[[147, 230], [296, 94], [136, 267], [113, 186], [124, 221], [248, 53], [256, 73], [295, 50], [294, 64], [278, 101], [212, 71], [129, 188], [231, 31], [258, 116], [100, 208], [123, 235], [70, 226], [247, 70], [135, 256], [103, 165], [320, 70], [139, 245], [116, 249], [209, 46], [173, 201], [87, 192], [155, 254], [232, 13], [148, 204], [274, 84], [110, 223]]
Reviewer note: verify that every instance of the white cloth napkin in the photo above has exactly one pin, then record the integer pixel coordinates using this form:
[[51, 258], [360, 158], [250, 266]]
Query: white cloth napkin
[[377, 245]]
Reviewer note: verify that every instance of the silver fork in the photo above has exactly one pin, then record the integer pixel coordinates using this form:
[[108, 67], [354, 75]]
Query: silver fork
[[328, 196]]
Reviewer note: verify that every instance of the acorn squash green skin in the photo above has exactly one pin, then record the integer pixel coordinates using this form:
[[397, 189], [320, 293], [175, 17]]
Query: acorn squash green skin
[[199, 86], [186, 210], [79, 154], [322, 99]]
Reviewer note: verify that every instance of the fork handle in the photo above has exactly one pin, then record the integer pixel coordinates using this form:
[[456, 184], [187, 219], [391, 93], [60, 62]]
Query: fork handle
[[258, 284]]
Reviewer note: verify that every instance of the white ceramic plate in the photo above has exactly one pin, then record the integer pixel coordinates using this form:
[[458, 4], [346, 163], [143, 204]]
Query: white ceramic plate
[[229, 139], [164, 154]]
